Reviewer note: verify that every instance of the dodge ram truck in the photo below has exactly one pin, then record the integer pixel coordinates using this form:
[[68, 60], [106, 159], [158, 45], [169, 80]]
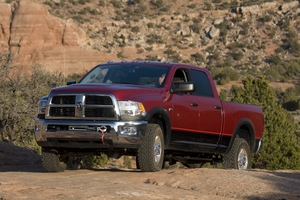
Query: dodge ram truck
[[155, 111]]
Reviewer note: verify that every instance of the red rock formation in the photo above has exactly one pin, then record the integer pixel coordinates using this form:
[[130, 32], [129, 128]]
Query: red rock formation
[[37, 37]]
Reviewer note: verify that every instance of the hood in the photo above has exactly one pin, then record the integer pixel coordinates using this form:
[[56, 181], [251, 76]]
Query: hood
[[121, 91]]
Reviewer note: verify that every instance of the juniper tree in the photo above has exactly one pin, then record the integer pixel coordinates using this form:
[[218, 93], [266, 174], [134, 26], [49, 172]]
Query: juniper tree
[[280, 149]]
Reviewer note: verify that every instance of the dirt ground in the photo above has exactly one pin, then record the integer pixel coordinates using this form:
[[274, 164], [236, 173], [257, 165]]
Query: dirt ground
[[22, 177]]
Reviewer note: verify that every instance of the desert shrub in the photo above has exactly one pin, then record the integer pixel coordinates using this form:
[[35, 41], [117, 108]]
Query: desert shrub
[[224, 75], [157, 3], [207, 6], [116, 3], [102, 3], [237, 55], [82, 2], [150, 25], [19, 94], [127, 162], [192, 6], [281, 70], [150, 48], [289, 99], [94, 162], [79, 19], [135, 29], [223, 6], [267, 18], [151, 57], [223, 95], [153, 38], [120, 55], [197, 57]]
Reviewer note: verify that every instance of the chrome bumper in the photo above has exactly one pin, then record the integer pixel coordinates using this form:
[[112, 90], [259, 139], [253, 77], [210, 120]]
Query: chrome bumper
[[89, 134]]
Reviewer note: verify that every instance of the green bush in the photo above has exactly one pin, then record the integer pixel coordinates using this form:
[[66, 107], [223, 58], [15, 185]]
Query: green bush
[[280, 149], [150, 25], [197, 57], [116, 3], [82, 2], [94, 162], [223, 95], [135, 29], [153, 38], [19, 94], [102, 3], [224, 75], [127, 162]]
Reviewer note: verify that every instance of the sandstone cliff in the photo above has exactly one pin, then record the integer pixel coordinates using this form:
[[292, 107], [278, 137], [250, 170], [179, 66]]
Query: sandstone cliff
[[37, 37]]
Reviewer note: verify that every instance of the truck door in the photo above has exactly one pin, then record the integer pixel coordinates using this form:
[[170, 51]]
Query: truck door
[[210, 112], [184, 115]]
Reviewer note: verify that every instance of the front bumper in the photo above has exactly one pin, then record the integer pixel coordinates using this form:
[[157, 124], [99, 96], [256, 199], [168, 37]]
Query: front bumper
[[89, 134]]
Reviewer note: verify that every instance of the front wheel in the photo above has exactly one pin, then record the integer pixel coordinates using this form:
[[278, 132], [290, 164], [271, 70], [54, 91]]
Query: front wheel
[[52, 162], [151, 152], [239, 156]]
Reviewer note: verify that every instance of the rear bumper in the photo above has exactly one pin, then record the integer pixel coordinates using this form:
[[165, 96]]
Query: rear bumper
[[89, 134]]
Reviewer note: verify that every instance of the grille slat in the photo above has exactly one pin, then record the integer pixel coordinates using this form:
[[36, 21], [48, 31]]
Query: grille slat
[[98, 100], [93, 106], [62, 112], [63, 99], [99, 112]]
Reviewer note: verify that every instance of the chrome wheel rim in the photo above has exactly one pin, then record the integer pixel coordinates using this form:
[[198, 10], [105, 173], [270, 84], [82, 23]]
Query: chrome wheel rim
[[243, 159], [157, 149]]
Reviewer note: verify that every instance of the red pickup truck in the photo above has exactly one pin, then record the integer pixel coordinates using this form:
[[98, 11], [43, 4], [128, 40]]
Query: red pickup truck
[[157, 111]]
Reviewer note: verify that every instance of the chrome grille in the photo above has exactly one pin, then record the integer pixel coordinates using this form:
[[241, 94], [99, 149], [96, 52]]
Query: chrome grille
[[99, 112], [62, 112], [82, 106], [63, 99], [100, 100]]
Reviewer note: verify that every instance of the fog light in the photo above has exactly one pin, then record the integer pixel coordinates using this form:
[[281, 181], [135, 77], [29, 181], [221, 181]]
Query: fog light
[[128, 130]]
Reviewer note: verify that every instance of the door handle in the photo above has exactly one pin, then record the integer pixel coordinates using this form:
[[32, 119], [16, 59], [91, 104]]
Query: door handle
[[218, 107], [194, 104]]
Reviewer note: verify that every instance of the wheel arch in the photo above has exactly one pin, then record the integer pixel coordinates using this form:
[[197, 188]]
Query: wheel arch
[[244, 129], [160, 116]]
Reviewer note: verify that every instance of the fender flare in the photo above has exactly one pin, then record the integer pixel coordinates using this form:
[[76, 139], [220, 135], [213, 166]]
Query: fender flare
[[164, 115], [244, 122]]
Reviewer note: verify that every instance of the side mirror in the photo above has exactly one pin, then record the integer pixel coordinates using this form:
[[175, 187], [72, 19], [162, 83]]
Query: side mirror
[[71, 82], [183, 87]]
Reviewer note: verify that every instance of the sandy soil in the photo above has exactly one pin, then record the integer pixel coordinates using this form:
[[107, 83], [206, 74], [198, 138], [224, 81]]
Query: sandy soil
[[22, 177]]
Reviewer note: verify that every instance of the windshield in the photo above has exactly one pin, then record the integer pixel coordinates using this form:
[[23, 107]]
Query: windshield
[[147, 75]]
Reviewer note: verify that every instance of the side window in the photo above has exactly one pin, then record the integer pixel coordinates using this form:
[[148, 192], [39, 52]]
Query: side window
[[179, 76], [203, 87]]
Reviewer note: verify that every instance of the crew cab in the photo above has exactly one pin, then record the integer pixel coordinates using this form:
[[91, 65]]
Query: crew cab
[[121, 108]]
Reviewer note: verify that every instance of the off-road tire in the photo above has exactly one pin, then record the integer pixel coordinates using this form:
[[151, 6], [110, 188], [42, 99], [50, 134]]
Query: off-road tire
[[52, 162], [151, 152], [239, 156]]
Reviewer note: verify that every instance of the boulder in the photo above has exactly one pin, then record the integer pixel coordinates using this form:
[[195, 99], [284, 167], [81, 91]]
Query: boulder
[[214, 32], [288, 6]]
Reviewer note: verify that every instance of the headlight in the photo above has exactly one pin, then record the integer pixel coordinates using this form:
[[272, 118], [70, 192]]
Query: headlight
[[131, 109], [42, 106]]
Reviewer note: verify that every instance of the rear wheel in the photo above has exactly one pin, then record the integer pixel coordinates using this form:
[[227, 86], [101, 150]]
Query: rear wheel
[[151, 152], [52, 162], [239, 156]]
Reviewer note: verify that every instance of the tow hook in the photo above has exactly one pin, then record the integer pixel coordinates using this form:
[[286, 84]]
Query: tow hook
[[102, 129]]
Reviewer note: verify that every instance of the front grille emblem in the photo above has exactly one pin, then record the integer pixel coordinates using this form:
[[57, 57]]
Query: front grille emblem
[[79, 105]]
